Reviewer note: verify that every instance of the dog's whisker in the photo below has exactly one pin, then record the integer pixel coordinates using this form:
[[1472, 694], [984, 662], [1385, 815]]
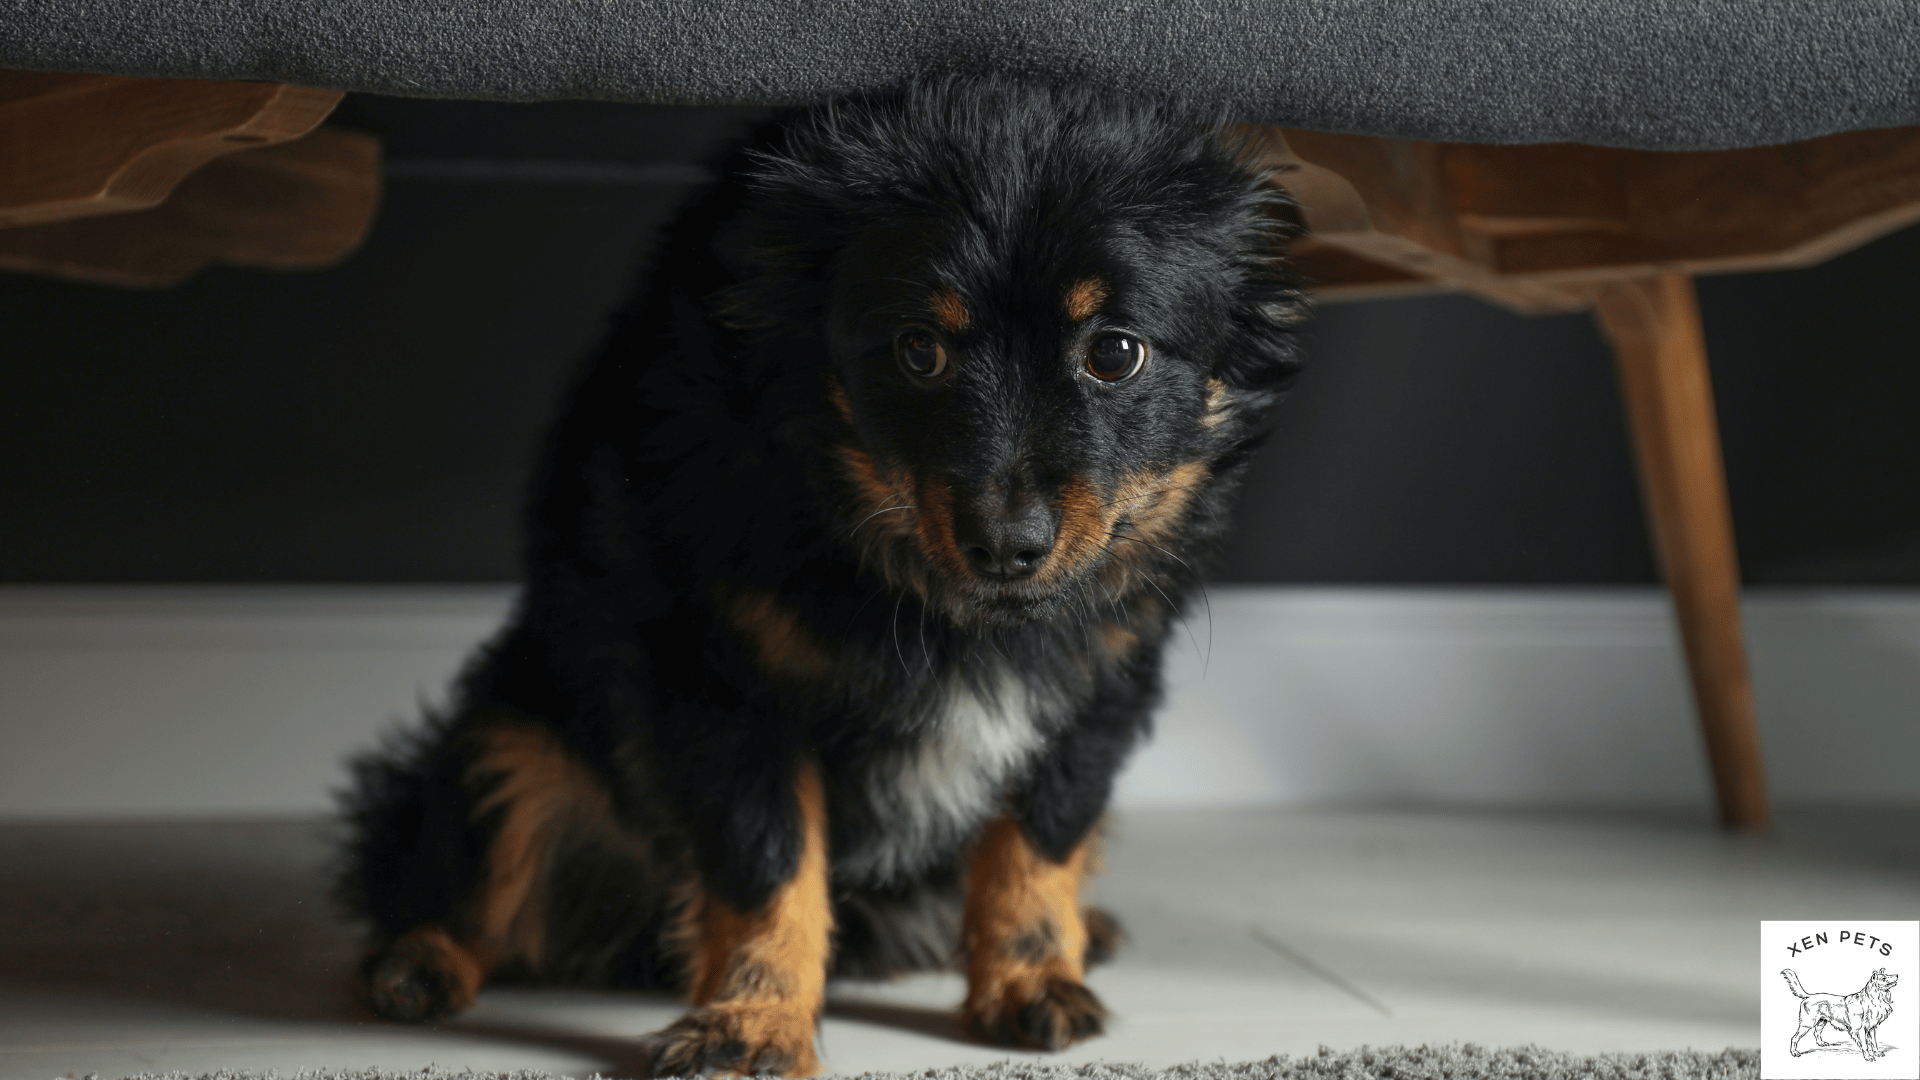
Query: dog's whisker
[[1161, 550], [1174, 608], [1086, 632], [1207, 603], [992, 638], [863, 606], [884, 510], [924, 654], [1112, 601], [912, 283], [1120, 615], [1206, 600], [895, 623]]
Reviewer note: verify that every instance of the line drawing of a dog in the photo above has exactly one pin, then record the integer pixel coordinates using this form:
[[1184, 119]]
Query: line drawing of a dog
[[1859, 1014]]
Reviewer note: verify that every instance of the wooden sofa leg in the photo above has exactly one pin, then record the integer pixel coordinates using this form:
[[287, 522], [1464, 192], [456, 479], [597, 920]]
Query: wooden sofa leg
[[1654, 326]]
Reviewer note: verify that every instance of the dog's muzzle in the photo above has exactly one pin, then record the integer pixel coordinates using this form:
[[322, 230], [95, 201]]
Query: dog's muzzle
[[1006, 544]]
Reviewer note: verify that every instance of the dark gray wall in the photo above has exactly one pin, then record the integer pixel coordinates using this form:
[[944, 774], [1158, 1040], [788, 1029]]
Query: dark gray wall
[[373, 422]]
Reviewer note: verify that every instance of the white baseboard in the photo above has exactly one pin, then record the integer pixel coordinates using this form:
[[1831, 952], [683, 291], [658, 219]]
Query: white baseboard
[[120, 702], [1518, 697]]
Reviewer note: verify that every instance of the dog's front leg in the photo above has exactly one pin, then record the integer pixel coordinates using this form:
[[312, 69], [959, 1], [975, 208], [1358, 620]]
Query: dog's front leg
[[756, 978], [1025, 934], [1026, 941]]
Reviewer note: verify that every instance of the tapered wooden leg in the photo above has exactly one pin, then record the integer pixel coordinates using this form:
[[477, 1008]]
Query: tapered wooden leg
[[1654, 326]]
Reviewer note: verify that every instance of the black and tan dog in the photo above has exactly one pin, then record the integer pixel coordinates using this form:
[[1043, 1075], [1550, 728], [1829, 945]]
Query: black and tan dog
[[849, 568], [1859, 1014]]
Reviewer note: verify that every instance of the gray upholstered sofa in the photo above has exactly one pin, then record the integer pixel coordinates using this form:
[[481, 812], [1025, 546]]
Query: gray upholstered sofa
[[1654, 74]]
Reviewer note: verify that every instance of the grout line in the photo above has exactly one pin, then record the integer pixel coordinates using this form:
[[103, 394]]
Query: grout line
[[1304, 961]]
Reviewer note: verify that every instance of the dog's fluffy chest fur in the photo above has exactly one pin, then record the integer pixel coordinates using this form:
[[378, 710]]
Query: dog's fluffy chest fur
[[932, 789]]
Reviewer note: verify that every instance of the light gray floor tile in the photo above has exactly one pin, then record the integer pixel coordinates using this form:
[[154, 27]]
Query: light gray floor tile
[[199, 946]]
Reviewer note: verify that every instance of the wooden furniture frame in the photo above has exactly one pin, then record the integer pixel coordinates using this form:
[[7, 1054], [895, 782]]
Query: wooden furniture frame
[[143, 182], [1620, 233]]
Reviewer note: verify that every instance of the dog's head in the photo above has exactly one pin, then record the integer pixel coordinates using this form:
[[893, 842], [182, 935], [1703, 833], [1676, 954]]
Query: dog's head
[[1883, 981], [1048, 319]]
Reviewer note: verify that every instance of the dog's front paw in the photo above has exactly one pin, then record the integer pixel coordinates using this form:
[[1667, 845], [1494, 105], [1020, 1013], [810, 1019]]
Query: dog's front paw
[[1051, 1013], [733, 1040], [422, 977]]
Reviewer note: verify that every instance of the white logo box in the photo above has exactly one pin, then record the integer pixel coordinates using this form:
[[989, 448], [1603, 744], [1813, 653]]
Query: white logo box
[[1862, 988]]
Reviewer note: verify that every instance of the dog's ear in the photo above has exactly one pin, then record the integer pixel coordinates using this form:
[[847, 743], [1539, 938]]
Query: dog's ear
[[1268, 306], [1262, 349]]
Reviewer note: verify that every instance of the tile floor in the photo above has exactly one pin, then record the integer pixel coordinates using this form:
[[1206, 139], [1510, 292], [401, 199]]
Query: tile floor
[[127, 948]]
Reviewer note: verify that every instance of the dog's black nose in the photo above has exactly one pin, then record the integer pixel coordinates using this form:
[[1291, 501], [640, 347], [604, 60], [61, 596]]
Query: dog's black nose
[[1012, 544]]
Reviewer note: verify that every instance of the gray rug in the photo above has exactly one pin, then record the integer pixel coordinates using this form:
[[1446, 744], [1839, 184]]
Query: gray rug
[[1386, 1063]]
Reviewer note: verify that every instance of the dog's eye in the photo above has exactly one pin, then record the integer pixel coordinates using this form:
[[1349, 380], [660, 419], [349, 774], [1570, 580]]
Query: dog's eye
[[920, 354], [1112, 357]]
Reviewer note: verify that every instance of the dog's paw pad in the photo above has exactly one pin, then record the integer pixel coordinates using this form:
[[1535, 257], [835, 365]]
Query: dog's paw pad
[[730, 1042], [423, 976], [1062, 1013]]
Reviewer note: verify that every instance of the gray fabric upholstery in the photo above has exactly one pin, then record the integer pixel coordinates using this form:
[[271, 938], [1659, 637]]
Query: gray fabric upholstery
[[1657, 74]]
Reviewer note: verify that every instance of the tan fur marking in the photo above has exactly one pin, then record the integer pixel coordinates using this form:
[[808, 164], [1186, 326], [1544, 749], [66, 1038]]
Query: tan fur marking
[[1023, 928], [866, 477], [950, 311], [886, 524], [876, 495], [1118, 642], [784, 646], [1081, 534], [753, 979], [1152, 506], [837, 395], [1084, 297], [936, 528], [760, 976], [537, 789], [1219, 402]]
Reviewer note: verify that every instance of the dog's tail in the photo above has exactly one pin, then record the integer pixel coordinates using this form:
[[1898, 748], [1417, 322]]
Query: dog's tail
[[1793, 983]]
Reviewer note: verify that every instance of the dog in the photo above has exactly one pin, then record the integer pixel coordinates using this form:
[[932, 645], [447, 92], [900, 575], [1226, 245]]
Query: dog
[[848, 570], [1859, 1014]]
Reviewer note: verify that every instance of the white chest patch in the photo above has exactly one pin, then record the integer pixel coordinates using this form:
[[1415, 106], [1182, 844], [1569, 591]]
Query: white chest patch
[[929, 795]]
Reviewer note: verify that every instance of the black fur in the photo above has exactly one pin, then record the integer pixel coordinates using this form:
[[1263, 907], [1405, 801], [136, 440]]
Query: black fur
[[703, 459]]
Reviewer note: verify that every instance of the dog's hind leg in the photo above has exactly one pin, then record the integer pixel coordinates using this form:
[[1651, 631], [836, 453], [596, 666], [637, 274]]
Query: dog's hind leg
[[1807, 1027], [1105, 935], [1026, 937], [527, 794], [757, 978]]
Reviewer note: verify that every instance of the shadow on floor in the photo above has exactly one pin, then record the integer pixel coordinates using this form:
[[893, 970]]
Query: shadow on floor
[[222, 917], [235, 919], [920, 1020]]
